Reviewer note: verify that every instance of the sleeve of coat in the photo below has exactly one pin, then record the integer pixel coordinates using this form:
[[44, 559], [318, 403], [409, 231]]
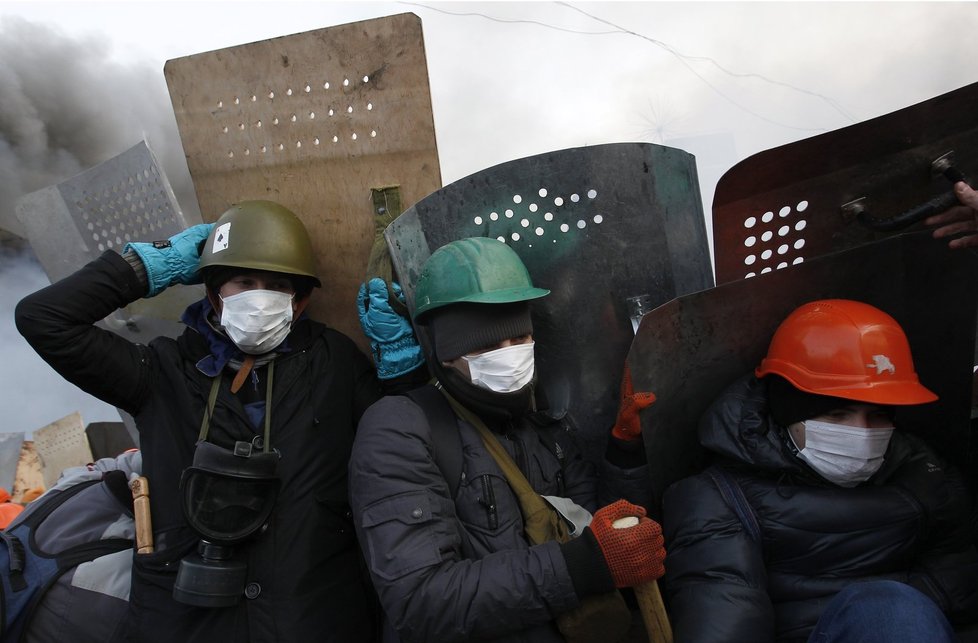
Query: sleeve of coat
[[625, 474], [715, 582], [947, 568], [58, 322], [410, 537]]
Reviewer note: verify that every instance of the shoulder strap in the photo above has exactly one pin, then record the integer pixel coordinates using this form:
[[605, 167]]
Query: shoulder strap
[[734, 496], [446, 444], [541, 522]]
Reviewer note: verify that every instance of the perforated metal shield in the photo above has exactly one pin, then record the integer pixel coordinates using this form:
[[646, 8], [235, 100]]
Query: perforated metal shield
[[689, 350], [607, 229], [313, 121], [126, 198], [785, 205]]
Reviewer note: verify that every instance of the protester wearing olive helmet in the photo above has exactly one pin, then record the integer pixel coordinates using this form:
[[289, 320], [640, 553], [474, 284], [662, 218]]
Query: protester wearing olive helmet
[[452, 552], [820, 520], [246, 423]]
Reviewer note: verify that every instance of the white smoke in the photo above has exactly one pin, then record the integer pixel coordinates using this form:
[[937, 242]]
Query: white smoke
[[66, 106]]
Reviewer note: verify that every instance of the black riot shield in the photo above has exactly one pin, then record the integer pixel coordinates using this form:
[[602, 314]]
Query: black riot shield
[[690, 349], [611, 230], [844, 188]]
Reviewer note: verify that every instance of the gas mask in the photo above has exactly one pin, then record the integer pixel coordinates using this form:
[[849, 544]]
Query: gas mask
[[227, 497], [504, 370], [844, 455], [257, 321]]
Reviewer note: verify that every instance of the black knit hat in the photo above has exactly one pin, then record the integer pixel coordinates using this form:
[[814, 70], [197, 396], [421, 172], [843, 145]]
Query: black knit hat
[[459, 329], [789, 404]]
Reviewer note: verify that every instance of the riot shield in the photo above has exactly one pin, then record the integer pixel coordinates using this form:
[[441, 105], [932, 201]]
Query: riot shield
[[689, 350], [314, 121], [843, 188], [126, 198], [611, 230]]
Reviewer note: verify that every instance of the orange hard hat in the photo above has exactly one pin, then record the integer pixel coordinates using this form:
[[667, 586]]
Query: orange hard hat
[[845, 349]]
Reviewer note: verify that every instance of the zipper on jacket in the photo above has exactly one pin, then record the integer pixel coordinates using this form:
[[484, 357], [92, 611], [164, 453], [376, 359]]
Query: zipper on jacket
[[519, 451], [489, 501]]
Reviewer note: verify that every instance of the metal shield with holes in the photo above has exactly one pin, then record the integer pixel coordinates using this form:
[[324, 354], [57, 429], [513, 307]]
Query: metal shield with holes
[[798, 201], [313, 121], [608, 229], [127, 198], [689, 350]]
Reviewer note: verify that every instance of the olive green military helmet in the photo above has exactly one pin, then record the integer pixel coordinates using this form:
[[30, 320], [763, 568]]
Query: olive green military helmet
[[260, 235], [477, 270]]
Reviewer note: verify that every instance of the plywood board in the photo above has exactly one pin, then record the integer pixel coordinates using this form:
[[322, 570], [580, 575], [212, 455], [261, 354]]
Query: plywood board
[[313, 121], [60, 445], [29, 474]]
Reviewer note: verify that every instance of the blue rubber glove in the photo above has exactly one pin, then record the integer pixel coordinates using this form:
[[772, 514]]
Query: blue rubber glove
[[395, 348], [173, 261]]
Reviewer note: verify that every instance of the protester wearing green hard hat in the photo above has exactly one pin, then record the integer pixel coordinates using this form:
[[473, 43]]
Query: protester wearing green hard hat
[[246, 422], [448, 482]]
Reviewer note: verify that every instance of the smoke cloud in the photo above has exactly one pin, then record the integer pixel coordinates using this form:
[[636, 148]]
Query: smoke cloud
[[66, 106]]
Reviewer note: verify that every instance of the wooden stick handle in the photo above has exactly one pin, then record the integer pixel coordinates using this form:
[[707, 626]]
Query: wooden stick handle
[[653, 612], [649, 599], [140, 510]]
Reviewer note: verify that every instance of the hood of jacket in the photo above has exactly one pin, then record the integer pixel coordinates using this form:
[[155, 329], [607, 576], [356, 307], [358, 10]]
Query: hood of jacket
[[739, 429]]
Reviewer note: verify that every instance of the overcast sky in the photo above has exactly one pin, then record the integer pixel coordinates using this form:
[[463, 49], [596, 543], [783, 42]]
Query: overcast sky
[[81, 82]]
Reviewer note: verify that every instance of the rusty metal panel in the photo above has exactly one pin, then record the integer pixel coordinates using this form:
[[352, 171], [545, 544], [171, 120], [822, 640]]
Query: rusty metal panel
[[690, 349], [313, 121], [785, 205]]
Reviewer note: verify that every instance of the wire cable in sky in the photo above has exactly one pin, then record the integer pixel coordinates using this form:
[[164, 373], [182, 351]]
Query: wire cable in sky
[[617, 29], [472, 14], [684, 58]]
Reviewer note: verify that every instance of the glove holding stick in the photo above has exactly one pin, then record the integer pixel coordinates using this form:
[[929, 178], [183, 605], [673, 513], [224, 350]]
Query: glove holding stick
[[634, 551]]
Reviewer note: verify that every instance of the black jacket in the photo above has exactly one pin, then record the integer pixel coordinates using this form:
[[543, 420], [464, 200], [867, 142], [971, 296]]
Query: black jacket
[[908, 523], [305, 575], [460, 568]]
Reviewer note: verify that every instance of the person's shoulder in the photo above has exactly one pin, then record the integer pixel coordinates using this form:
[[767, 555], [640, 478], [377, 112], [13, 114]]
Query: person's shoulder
[[392, 413]]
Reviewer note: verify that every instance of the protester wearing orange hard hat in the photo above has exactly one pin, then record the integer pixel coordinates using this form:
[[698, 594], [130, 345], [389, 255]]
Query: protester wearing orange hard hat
[[820, 519]]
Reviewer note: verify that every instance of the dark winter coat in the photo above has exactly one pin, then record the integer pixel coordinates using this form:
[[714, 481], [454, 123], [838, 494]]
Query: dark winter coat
[[462, 570], [908, 523], [305, 577]]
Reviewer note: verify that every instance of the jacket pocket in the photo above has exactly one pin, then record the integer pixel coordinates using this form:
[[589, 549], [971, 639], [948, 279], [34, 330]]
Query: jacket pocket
[[400, 534], [486, 505]]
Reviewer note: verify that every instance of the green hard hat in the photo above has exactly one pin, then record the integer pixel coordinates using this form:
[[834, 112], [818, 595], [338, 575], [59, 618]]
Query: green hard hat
[[260, 235], [476, 270]]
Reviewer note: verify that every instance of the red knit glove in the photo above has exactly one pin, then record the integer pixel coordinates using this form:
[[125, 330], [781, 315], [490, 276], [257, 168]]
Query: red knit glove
[[634, 555], [628, 425]]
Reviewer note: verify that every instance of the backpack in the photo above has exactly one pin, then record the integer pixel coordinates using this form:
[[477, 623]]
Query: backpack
[[65, 561]]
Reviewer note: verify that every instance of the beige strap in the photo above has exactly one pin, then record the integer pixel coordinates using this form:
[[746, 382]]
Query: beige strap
[[540, 522]]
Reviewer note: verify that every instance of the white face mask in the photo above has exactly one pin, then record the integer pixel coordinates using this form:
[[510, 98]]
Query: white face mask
[[503, 370], [844, 455], [257, 320]]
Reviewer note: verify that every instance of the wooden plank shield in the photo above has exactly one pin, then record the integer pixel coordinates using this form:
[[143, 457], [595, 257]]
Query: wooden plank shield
[[313, 121]]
